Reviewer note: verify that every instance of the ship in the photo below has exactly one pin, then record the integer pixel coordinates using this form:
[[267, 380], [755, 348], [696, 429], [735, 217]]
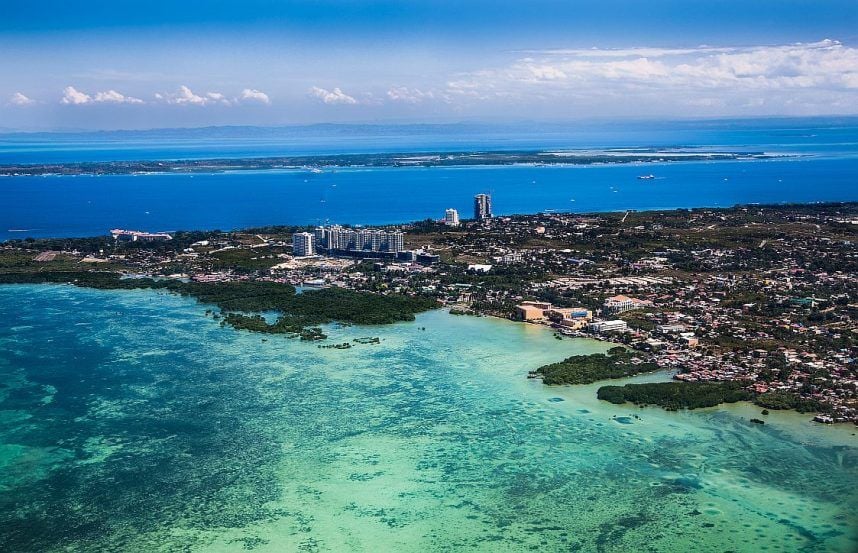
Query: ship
[[646, 177]]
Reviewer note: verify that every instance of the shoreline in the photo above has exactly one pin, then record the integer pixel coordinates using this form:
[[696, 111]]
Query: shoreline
[[400, 223], [250, 273], [792, 422], [655, 376]]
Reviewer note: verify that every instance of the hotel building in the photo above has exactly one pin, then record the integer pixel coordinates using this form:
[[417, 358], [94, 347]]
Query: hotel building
[[482, 207], [451, 218], [303, 244]]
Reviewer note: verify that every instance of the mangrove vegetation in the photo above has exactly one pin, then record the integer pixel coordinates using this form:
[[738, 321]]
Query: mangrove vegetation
[[586, 369]]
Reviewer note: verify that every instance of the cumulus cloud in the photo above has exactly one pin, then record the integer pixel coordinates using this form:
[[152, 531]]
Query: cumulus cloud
[[113, 97], [75, 97], [335, 96], [186, 96], [253, 95], [18, 99]]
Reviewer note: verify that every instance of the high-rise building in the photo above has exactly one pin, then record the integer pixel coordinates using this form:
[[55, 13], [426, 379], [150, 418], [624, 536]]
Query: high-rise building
[[451, 218], [395, 241], [338, 239], [302, 244], [482, 207]]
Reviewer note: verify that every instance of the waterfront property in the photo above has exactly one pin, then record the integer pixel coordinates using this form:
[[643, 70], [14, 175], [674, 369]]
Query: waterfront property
[[139, 236], [341, 239]]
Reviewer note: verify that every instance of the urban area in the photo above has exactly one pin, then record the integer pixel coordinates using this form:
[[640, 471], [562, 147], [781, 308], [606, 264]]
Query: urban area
[[762, 296]]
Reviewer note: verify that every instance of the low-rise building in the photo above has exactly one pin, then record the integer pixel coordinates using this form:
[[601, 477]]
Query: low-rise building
[[601, 327], [621, 304], [532, 310]]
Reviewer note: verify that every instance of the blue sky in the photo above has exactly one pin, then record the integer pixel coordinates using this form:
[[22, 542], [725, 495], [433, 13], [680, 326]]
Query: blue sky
[[150, 64]]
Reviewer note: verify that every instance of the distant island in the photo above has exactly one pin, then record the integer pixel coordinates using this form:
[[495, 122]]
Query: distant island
[[317, 163]]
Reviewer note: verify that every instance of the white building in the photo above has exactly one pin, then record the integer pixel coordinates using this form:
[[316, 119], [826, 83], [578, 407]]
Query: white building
[[600, 327], [451, 218], [395, 241], [139, 236], [337, 238], [303, 244], [621, 304]]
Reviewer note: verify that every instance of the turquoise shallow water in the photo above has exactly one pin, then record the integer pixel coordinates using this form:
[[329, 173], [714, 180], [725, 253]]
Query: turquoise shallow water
[[130, 421]]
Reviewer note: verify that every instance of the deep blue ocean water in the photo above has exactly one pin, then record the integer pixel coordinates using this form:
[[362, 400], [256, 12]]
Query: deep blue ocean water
[[825, 168]]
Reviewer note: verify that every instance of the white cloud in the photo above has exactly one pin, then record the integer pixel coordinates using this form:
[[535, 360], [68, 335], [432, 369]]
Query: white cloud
[[19, 99], [335, 96], [185, 96], [75, 97], [253, 95], [409, 95], [217, 97], [815, 76], [113, 97]]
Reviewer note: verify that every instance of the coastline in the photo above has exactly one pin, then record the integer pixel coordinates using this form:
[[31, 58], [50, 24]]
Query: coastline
[[795, 424], [385, 444], [90, 204], [270, 289], [743, 408]]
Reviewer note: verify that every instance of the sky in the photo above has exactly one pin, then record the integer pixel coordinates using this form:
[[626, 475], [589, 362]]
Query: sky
[[127, 64]]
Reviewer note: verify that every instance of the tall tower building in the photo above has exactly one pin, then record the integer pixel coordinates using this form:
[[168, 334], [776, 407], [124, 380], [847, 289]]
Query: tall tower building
[[319, 237], [302, 244], [395, 241], [451, 218], [482, 207]]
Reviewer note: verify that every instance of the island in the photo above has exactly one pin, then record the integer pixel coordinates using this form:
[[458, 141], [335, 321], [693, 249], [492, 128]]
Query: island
[[320, 163]]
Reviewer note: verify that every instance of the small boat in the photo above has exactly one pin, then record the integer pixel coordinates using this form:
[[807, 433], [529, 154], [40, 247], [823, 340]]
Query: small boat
[[646, 177]]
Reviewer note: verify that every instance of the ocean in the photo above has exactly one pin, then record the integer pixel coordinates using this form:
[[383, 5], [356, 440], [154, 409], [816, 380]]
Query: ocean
[[131, 421], [823, 167]]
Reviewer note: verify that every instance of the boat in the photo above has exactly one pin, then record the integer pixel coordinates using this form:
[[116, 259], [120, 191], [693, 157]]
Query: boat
[[646, 177]]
